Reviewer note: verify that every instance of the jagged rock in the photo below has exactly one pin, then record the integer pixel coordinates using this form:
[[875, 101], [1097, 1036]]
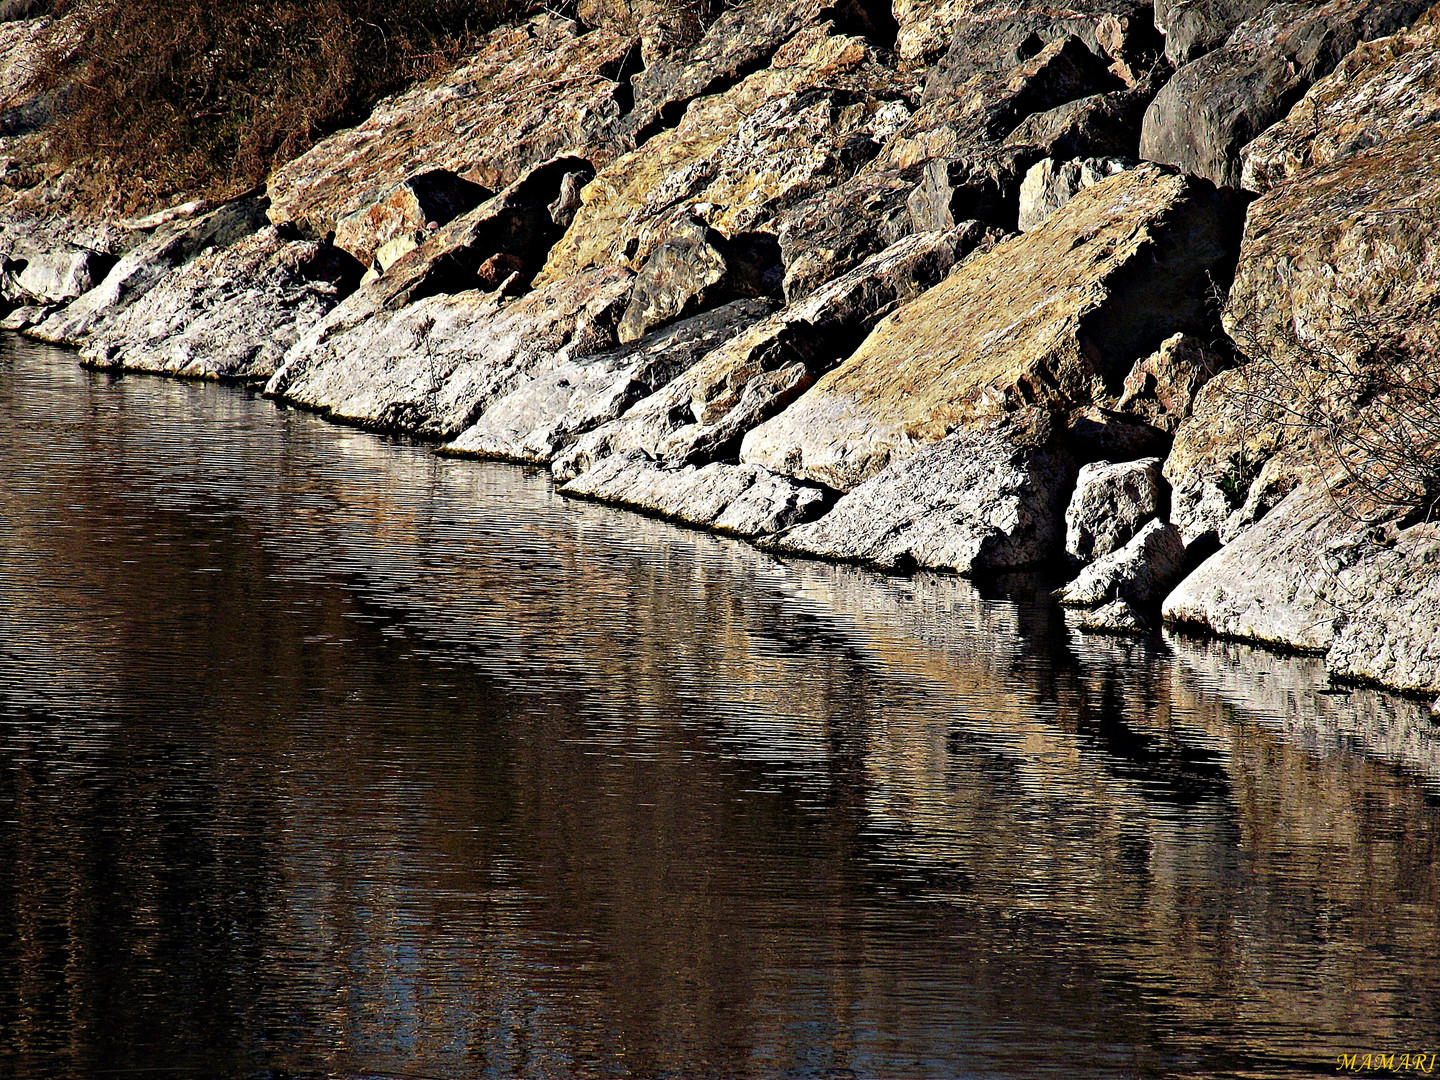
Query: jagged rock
[[741, 499], [1193, 28], [1050, 184], [1214, 106], [532, 92], [1100, 125], [696, 268], [1110, 503], [703, 414], [1123, 588], [51, 276], [1324, 572], [1051, 317], [435, 195], [228, 313], [175, 241], [1382, 89], [1336, 275], [433, 367], [977, 500], [738, 158], [841, 227], [570, 394], [22, 318], [1161, 388], [1096, 433]]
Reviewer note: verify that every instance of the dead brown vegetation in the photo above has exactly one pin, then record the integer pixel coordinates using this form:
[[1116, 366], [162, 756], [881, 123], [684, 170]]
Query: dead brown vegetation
[[206, 96]]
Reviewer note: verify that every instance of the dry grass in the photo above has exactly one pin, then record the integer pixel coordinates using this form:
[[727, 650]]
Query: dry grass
[[188, 97]]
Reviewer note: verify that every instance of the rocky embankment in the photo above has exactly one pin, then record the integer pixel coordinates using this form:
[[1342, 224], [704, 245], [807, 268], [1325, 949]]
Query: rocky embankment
[[1149, 292]]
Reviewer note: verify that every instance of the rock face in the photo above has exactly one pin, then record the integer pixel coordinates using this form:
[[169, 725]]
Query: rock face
[[53, 276], [1051, 318], [434, 196], [173, 243], [703, 414], [1193, 28], [434, 366], [1110, 503], [977, 500], [1050, 184], [741, 499], [199, 320], [736, 159], [1384, 88], [1123, 589], [1336, 273], [1161, 389], [567, 396], [1216, 105], [533, 92], [1323, 572]]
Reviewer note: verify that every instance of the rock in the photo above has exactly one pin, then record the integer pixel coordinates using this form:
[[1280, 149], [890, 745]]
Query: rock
[[433, 367], [175, 240], [51, 276], [737, 159], [569, 395], [1384, 88], [703, 414], [1051, 318], [1050, 184], [1110, 503], [842, 226], [185, 211], [696, 268], [1100, 125], [1161, 388], [1100, 434], [741, 499], [532, 92], [1334, 289], [435, 195], [1325, 572], [988, 499], [228, 313], [1124, 587], [1217, 104], [23, 318], [1193, 28]]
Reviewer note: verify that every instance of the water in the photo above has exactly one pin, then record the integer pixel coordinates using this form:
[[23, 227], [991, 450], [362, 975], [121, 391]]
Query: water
[[321, 756]]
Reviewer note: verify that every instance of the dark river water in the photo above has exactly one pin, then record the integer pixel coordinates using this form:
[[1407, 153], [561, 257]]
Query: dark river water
[[321, 756]]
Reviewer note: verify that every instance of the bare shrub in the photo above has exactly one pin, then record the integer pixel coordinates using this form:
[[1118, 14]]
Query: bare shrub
[[206, 96]]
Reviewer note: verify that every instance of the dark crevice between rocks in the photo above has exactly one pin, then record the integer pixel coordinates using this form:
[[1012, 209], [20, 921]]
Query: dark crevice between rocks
[[868, 19], [622, 74]]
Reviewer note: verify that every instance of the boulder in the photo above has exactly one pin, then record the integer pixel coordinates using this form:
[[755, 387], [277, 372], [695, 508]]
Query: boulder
[[1110, 503], [531, 92], [702, 415], [174, 241], [228, 313], [741, 499], [1098, 125], [53, 276], [1053, 317], [1193, 28], [1214, 106], [696, 268], [1384, 88], [433, 196], [737, 159], [1123, 589], [1334, 298], [1050, 184], [570, 394], [1161, 388], [434, 366], [1328, 571], [988, 499]]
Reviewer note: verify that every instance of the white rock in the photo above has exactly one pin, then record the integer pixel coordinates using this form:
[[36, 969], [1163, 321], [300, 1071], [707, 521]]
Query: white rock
[[1110, 503]]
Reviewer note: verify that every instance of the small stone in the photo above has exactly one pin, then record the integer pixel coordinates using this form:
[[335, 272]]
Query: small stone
[[1110, 503]]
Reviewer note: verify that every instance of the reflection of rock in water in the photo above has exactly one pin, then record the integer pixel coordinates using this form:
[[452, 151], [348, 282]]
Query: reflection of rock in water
[[1294, 695]]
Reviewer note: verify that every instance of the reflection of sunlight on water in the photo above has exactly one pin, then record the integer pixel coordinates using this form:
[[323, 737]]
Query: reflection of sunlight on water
[[359, 760]]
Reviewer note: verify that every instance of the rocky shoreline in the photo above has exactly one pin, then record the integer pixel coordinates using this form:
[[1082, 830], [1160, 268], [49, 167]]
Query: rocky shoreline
[[1151, 293]]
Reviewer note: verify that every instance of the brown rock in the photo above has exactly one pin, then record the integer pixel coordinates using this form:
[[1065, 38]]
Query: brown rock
[[1161, 388], [435, 195]]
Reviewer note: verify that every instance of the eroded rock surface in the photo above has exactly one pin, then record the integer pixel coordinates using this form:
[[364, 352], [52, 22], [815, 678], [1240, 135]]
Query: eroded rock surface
[[1111, 501], [1122, 590], [1050, 184], [1052, 318], [1161, 388], [990, 499]]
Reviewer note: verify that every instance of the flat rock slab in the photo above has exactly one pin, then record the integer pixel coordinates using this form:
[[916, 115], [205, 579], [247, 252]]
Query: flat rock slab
[[229, 313], [532, 92], [978, 500], [1050, 318], [433, 367], [741, 499], [1320, 574], [569, 395]]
